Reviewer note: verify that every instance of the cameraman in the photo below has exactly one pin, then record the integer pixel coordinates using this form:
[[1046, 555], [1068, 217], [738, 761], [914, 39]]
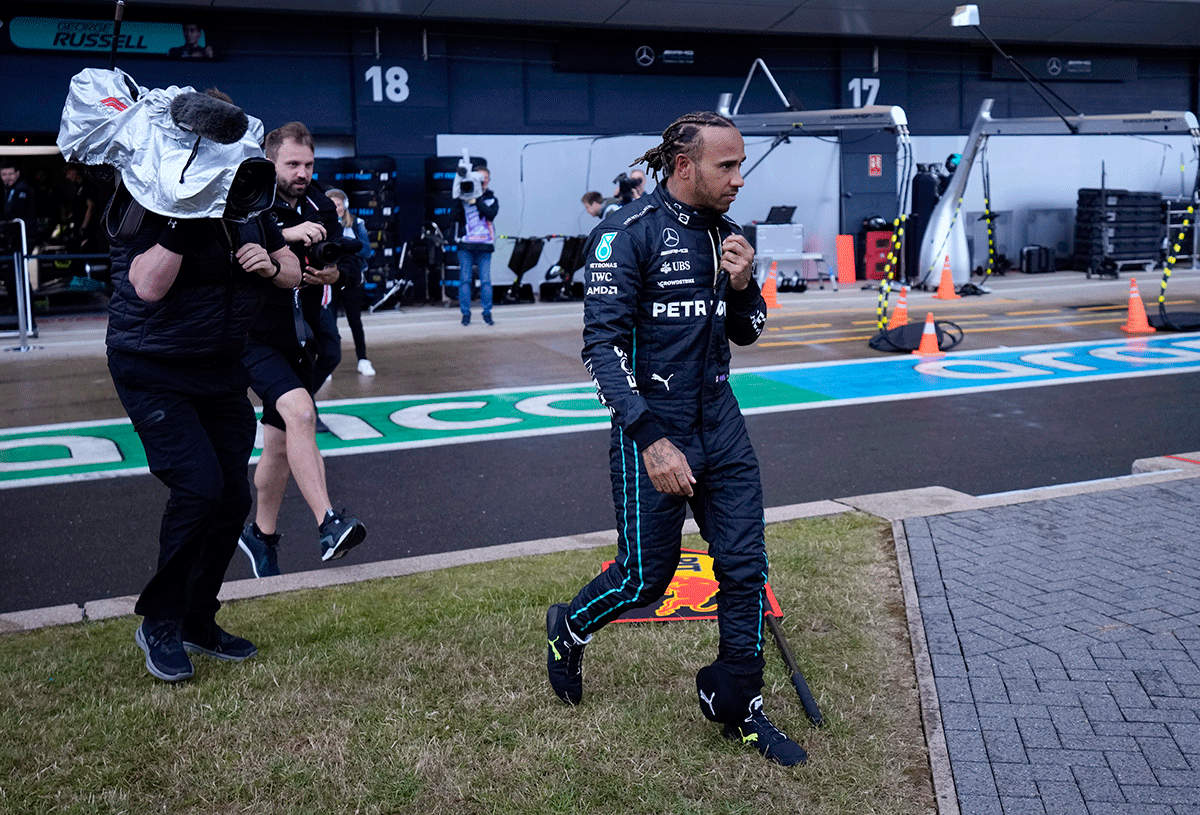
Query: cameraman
[[281, 363], [476, 235], [185, 293]]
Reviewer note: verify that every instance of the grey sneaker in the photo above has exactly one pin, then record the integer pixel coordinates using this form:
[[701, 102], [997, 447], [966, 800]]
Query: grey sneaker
[[163, 644], [757, 731], [339, 535], [263, 550]]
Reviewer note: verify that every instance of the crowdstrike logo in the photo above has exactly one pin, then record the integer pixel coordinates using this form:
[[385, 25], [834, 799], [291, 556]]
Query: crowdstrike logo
[[604, 248]]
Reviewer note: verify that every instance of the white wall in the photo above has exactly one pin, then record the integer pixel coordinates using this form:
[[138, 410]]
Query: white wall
[[1038, 173], [539, 181]]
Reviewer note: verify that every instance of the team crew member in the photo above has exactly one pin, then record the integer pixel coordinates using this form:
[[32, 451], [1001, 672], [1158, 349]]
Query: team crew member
[[185, 293], [669, 283]]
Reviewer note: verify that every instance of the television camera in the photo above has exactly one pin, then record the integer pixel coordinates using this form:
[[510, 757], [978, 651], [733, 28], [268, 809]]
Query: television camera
[[468, 183]]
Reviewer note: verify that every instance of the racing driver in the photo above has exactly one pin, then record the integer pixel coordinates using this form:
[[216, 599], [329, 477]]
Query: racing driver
[[669, 282]]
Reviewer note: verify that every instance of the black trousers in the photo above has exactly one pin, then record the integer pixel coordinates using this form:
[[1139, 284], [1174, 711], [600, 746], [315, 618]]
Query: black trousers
[[728, 507], [350, 301], [197, 426], [328, 347]]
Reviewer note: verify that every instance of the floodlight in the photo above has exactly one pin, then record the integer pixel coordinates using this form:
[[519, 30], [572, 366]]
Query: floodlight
[[965, 15]]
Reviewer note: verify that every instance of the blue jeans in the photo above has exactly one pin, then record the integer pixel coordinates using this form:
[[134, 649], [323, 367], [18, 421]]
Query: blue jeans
[[469, 259]]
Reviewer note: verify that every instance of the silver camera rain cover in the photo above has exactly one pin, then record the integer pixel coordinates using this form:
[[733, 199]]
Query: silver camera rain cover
[[164, 161]]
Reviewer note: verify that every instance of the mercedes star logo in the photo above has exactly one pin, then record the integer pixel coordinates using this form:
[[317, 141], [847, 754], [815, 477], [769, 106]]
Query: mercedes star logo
[[1054, 66], [670, 237], [644, 56]]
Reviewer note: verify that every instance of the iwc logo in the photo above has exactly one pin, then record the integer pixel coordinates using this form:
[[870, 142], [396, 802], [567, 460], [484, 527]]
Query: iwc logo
[[644, 56]]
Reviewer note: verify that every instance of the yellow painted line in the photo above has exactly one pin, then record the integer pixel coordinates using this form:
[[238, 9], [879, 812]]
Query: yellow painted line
[[797, 328], [815, 342], [1103, 308], [780, 343], [1046, 325], [1025, 313]]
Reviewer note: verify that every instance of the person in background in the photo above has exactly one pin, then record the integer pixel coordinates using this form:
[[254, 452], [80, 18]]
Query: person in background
[[476, 236], [18, 205], [350, 298], [598, 206], [84, 209]]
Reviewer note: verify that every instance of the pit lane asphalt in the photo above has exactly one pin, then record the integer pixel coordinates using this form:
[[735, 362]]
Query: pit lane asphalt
[[87, 540]]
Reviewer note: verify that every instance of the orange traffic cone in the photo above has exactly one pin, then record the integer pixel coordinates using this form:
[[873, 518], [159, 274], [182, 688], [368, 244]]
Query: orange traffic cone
[[900, 314], [946, 286], [768, 289], [1136, 322], [929, 342]]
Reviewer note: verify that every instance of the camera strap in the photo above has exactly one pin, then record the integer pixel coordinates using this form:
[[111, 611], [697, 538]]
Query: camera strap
[[302, 332]]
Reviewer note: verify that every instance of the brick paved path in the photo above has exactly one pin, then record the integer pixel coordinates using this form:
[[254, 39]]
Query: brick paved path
[[1065, 641]]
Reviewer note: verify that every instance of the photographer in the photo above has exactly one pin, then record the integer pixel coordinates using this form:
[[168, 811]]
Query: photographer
[[630, 187], [185, 293], [281, 360], [476, 235]]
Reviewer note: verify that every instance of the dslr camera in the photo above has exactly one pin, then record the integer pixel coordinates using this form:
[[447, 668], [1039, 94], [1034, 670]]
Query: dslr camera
[[329, 252], [468, 183]]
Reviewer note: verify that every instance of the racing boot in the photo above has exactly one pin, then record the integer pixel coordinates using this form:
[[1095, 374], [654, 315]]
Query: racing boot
[[564, 658], [734, 701], [758, 731]]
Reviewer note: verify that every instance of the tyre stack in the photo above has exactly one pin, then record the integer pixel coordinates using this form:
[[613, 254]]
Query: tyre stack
[[439, 199], [370, 185], [1116, 226]]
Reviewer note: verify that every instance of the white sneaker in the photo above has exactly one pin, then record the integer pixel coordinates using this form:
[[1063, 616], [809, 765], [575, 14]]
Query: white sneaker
[[366, 368]]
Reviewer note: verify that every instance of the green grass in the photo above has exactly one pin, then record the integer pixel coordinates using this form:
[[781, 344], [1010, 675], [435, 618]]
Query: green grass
[[428, 693]]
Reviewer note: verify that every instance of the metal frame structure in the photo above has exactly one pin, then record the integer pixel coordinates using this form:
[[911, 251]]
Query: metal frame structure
[[945, 235]]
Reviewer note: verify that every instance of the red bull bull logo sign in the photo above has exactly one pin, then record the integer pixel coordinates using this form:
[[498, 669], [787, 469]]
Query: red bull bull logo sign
[[692, 594]]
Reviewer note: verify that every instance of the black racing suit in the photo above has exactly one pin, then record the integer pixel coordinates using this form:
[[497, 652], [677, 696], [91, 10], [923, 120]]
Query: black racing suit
[[658, 317]]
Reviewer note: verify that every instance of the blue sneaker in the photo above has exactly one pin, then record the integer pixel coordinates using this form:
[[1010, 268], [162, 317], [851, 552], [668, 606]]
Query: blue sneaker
[[163, 643], [263, 550], [339, 535], [215, 641]]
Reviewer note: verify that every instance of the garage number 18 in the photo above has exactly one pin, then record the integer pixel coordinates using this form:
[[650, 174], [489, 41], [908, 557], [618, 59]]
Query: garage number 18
[[392, 83]]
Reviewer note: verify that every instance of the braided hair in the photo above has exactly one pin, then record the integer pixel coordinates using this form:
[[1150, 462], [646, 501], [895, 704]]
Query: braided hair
[[681, 137]]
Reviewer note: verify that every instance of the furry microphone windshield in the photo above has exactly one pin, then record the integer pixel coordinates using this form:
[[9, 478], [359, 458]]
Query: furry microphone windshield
[[207, 116]]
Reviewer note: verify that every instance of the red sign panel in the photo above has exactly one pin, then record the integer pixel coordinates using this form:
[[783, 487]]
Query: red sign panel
[[692, 594], [875, 164]]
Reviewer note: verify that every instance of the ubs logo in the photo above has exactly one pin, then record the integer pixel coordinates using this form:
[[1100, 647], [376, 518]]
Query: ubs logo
[[670, 237]]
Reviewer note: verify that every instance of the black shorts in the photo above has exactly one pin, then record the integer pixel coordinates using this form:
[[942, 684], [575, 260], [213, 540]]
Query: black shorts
[[273, 372]]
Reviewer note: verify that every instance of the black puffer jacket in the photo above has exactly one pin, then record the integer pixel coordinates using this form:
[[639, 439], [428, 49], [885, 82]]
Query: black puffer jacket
[[208, 311], [659, 315]]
